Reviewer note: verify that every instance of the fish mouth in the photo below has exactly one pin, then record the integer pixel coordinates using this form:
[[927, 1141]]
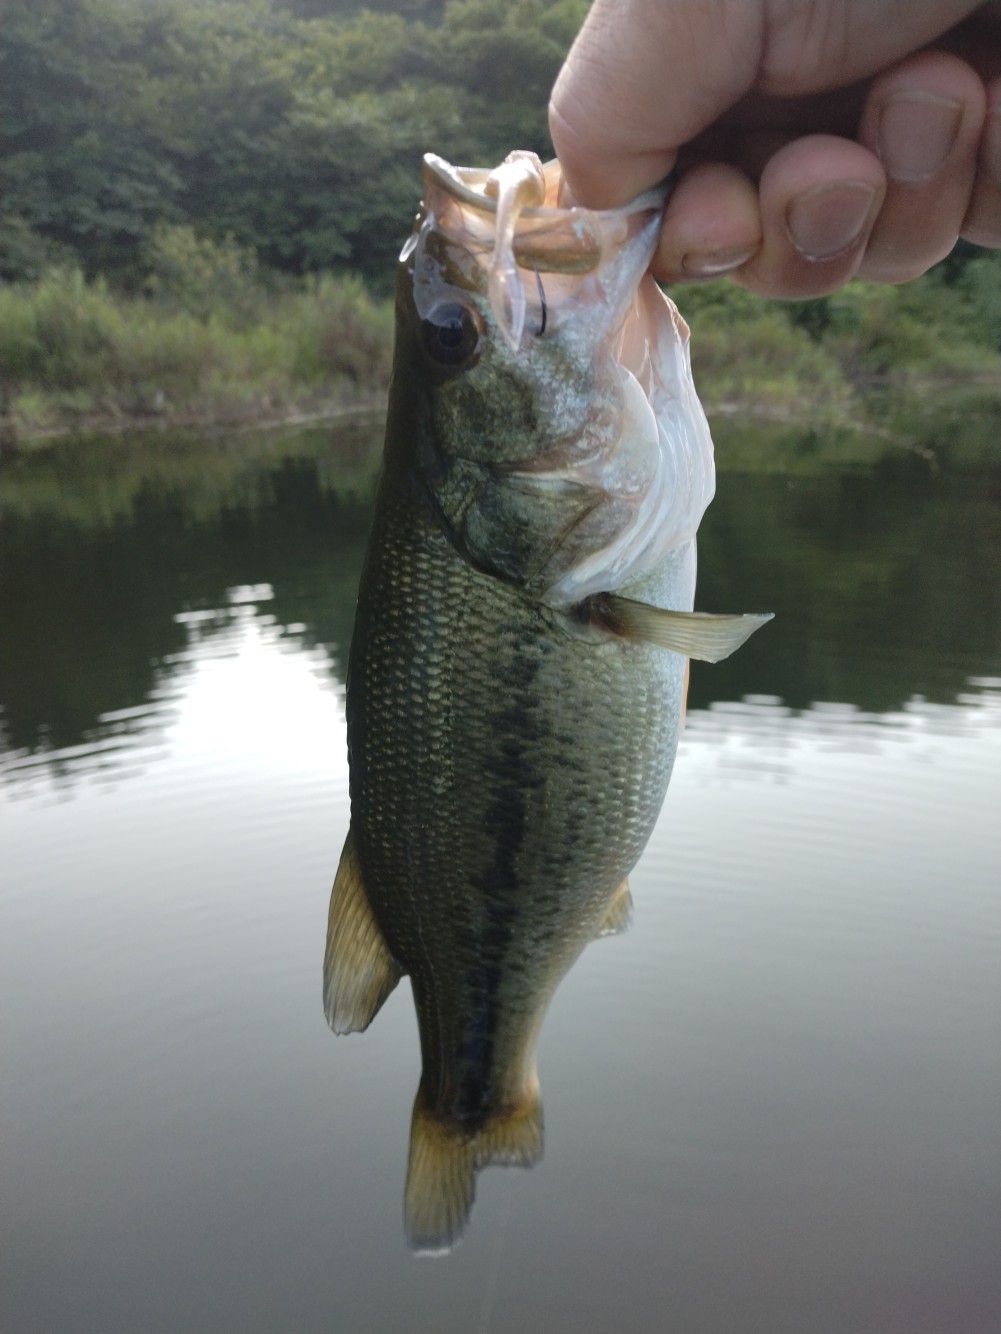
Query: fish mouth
[[621, 444], [472, 188], [511, 220]]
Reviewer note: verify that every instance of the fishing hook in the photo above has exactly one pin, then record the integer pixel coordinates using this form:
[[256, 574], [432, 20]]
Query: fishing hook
[[542, 299]]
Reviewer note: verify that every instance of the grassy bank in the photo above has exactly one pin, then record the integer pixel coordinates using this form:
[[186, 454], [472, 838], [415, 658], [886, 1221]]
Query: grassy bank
[[208, 338], [851, 358]]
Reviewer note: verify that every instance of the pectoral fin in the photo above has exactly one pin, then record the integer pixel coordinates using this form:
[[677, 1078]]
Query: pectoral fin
[[358, 970], [696, 634], [619, 914]]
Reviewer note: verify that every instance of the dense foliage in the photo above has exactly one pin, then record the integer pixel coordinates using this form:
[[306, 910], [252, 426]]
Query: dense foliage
[[295, 130], [215, 341]]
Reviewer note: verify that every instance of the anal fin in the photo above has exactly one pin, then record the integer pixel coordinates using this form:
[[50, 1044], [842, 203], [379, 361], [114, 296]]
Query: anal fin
[[619, 914], [445, 1157], [358, 970]]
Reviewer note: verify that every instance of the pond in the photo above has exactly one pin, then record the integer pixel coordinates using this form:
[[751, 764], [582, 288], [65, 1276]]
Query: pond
[[771, 1106]]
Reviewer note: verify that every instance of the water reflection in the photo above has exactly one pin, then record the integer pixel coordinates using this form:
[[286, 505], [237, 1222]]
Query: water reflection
[[113, 557], [773, 733], [882, 584], [777, 1095], [235, 656]]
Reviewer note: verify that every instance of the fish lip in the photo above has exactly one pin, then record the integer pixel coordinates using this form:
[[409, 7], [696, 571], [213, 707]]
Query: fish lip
[[460, 183], [548, 238]]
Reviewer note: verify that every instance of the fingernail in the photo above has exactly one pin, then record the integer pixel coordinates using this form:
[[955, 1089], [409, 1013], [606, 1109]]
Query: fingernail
[[829, 219], [916, 133], [714, 263]]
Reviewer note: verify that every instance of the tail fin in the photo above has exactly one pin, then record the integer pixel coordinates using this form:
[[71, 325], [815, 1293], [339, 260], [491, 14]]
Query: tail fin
[[444, 1160]]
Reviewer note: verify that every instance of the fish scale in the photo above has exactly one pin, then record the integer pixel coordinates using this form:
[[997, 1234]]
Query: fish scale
[[522, 717]]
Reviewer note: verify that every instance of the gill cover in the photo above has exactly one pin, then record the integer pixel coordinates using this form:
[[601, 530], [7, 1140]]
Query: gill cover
[[617, 469]]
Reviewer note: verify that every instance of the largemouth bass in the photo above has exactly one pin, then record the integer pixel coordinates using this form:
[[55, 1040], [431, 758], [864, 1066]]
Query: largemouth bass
[[518, 667]]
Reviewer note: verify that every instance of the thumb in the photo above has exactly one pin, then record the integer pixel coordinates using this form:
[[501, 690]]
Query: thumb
[[642, 79]]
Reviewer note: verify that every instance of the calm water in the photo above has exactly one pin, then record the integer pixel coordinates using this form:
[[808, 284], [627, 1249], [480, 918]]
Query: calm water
[[772, 1107]]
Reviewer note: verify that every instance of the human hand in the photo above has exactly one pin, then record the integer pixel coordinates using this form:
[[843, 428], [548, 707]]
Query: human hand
[[815, 140]]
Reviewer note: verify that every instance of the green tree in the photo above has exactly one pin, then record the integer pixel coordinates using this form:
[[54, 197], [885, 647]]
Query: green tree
[[299, 137], [81, 173]]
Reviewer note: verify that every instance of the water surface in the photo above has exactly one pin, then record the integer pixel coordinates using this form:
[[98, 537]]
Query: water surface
[[770, 1107]]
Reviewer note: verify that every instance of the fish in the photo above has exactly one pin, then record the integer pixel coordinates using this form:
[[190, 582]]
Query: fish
[[518, 666]]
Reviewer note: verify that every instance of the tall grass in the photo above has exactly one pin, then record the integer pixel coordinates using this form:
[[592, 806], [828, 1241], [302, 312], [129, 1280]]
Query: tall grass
[[208, 338], [835, 357], [753, 359]]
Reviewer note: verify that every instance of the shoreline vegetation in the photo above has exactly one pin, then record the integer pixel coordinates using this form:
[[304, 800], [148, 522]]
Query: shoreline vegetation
[[211, 340], [214, 340], [202, 203]]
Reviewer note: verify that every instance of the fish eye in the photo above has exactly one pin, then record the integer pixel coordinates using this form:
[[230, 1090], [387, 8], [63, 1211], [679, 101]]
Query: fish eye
[[451, 334]]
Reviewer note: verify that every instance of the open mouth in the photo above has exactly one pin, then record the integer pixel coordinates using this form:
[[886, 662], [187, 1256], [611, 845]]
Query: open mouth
[[511, 219]]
